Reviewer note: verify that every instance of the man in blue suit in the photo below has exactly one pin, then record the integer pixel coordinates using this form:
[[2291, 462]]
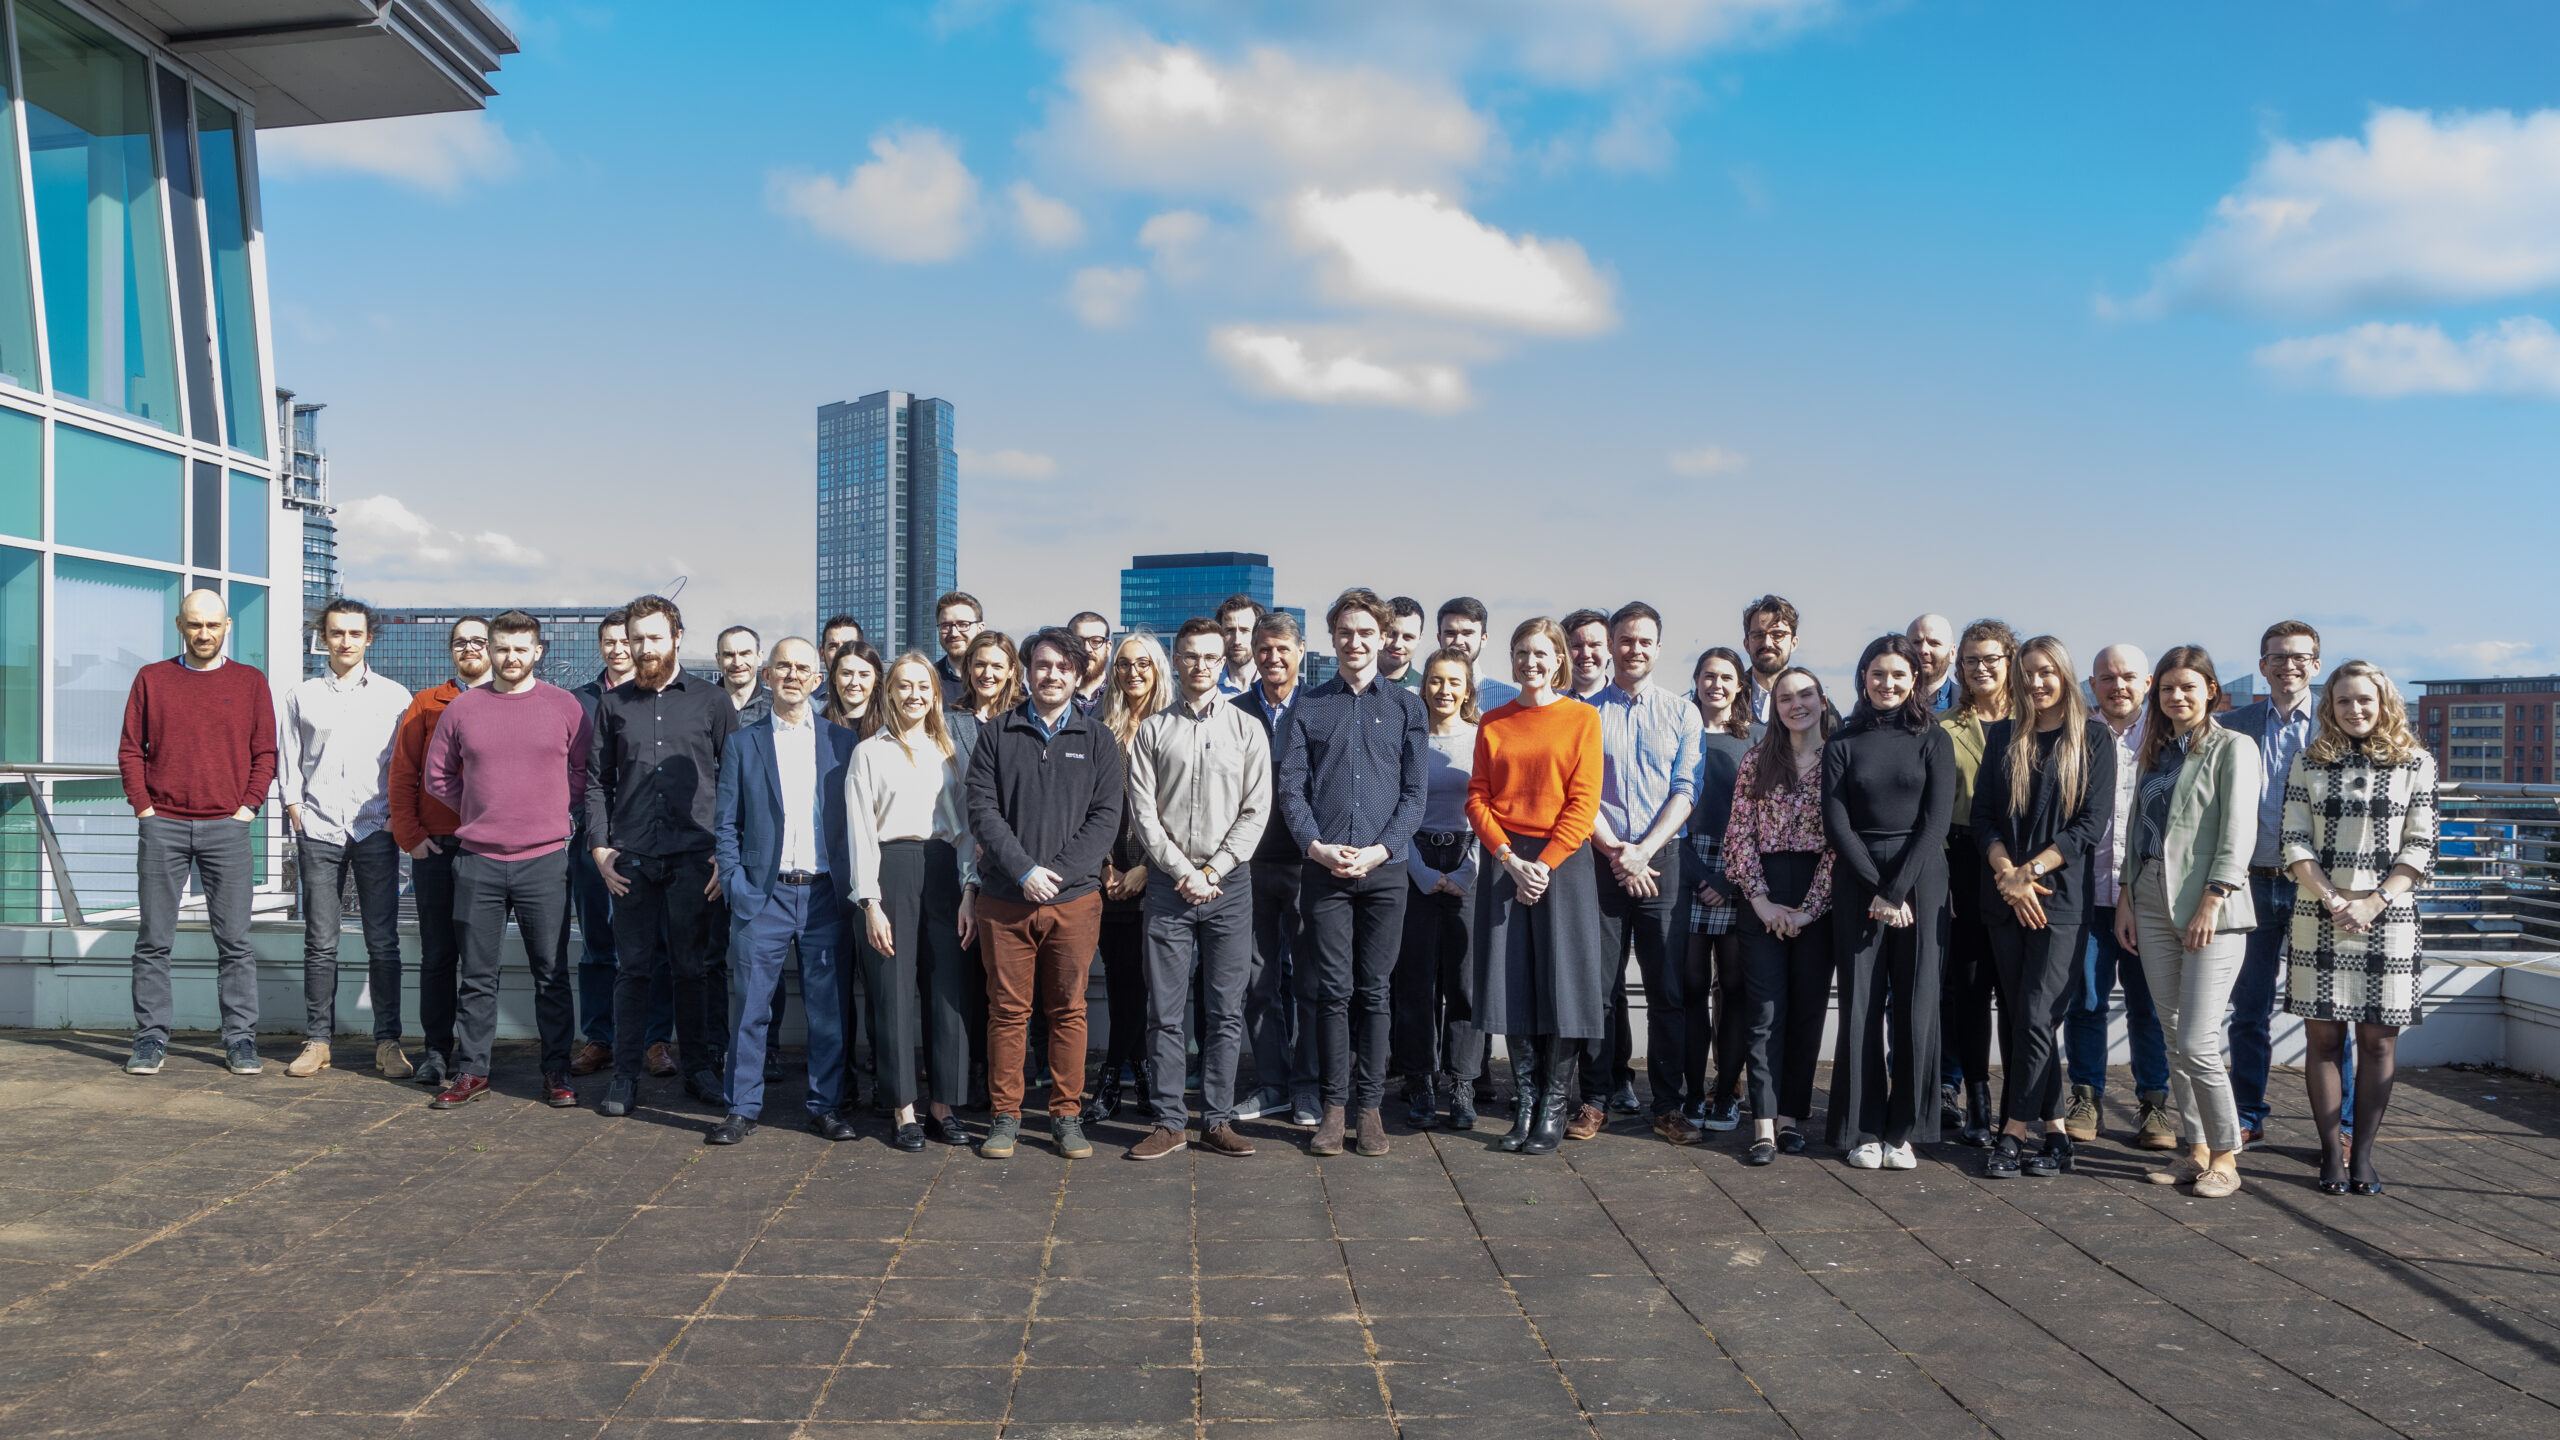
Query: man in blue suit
[[780, 846]]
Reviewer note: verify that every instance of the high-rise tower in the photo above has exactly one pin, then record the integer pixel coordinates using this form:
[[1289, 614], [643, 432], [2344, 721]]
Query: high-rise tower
[[888, 515]]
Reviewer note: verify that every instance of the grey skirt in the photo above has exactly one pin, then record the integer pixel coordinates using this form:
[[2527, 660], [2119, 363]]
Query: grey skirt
[[1541, 969]]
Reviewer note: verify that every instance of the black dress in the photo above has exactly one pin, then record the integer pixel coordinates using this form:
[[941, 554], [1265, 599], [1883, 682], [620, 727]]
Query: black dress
[[1886, 796], [2037, 967]]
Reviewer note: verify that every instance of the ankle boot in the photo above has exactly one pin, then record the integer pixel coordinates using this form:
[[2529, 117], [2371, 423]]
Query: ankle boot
[[1977, 1114], [1524, 1098], [1555, 1079], [1421, 1105]]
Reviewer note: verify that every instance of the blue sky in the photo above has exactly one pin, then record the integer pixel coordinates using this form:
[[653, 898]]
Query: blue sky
[[2148, 324]]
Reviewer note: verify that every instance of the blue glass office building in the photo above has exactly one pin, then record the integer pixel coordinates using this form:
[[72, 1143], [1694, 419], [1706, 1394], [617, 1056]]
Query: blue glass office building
[[888, 515], [1159, 592]]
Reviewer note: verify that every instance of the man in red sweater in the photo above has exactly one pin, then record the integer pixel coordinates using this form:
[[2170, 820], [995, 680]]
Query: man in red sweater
[[424, 827], [198, 753]]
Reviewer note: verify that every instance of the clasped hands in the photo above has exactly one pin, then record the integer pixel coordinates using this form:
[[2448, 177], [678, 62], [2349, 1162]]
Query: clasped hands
[[2018, 885], [1347, 862]]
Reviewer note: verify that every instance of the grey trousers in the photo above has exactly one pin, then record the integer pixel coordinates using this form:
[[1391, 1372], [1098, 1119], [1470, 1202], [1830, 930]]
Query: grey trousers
[[1220, 934], [2191, 989], [375, 861], [536, 890], [218, 852]]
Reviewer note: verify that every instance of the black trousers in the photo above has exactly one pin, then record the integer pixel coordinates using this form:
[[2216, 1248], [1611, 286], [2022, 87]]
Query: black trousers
[[1971, 981], [1656, 927], [439, 944], [1353, 930], [1433, 1028], [1786, 992], [1876, 1092], [2037, 968], [664, 913], [920, 891], [1276, 999], [537, 892], [1124, 991], [1719, 992]]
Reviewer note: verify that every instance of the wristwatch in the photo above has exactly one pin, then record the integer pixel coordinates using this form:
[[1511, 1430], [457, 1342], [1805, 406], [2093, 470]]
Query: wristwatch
[[2220, 890], [2037, 869]]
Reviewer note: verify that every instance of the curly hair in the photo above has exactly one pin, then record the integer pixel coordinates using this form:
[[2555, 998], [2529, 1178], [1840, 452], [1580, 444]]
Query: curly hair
[[2391, 742]]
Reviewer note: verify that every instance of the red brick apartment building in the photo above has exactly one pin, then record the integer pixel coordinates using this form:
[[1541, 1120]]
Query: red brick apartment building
[[2490, 729]]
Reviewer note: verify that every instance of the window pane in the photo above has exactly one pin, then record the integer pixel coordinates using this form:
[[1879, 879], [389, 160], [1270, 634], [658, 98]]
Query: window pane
[[21, 474], [206, 552], [249, 624], [186, 238], [115, 495], [17, 296], [106, 276], [110, 621], [227, 230], [249, 520], [21, 587]]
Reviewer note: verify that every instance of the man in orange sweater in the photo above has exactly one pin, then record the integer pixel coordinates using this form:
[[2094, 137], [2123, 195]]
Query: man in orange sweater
[[424, 827]]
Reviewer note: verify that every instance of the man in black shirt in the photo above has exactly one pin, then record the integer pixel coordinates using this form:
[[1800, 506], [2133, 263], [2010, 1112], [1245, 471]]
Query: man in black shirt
[[652, 794]]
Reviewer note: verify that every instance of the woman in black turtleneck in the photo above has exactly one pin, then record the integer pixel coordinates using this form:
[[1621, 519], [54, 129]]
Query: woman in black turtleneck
[[1888, 785]]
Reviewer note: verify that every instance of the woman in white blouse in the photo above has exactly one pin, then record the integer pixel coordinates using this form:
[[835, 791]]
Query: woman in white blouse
[[913, 866]]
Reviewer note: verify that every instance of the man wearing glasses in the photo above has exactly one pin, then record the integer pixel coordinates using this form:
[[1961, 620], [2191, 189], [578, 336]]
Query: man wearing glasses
[[1094, 634], [424, 827], [1769, 642], [957, 619], [2289, 659]]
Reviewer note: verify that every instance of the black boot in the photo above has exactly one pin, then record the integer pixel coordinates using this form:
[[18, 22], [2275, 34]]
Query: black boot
[[1105, 1100], [1950, 1109], [1462, 1106], [1524, 1098], [1977, 1115], [1556, 1059], [1420, 1107]]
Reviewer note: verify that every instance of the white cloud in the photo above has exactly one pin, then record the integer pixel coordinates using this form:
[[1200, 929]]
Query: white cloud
[[1702, 461], [1149, 114], [913, 201], [1638, 136], [1417, 251], [1174, 239], [1045, 221], [437, 153], [2424, 208], [1007, 464], [2492, 655], [380, 539], [1106, 296], [1591, 41], [2518, 356], [1335, 369]]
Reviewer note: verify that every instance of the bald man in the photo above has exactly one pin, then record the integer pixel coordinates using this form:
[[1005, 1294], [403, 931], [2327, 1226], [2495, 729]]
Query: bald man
[[2120, 681], [1936, 637], [197, 754]]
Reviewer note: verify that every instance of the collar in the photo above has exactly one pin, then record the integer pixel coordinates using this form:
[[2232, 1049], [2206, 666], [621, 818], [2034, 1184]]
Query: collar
[[1342, 682], [218, 662], [808, 720], [682, 678], [1028, 712], [1207, 707], [1262, 691], [355, 679], [2304, 711]]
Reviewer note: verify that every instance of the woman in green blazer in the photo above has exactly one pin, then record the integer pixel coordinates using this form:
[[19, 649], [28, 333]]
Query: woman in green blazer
[[2187, 910]]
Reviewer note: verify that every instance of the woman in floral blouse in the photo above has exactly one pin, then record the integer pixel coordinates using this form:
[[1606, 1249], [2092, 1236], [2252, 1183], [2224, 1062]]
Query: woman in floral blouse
[[1778, 861], [2359, 838]]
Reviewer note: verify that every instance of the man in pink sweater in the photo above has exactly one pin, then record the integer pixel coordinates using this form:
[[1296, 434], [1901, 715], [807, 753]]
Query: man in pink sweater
[[507, 757], [198, 753]]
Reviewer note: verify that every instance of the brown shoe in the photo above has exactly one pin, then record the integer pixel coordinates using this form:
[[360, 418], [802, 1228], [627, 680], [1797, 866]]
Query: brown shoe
[[2158, 1128], [662, 1059], [1328, 1137], [1586, 1122], [391, 1061], [1159, 1143], [1372, 1139], [313, 1059], [591, 1058], [1225, 1141], [1674, 1127]]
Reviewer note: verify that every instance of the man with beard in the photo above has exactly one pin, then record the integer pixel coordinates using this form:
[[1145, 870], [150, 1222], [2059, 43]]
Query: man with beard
[[1094, 634], [1935, 635], [1236, 617], [1462, 623], [1769, 638], [651, 794], [508, 758], [594, 903], [1400, 652], [424, 828], [957, 619]]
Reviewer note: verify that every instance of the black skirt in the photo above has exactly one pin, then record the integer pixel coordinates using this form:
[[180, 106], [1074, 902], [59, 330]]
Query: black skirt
[[1541, 969]]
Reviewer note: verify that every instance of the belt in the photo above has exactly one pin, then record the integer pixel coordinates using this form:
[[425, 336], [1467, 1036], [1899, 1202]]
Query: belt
[[800, 877], [2266, 872], [1443, 837]]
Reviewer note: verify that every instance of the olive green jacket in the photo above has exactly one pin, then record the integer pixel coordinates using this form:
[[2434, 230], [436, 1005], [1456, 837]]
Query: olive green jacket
[[2213, 827]]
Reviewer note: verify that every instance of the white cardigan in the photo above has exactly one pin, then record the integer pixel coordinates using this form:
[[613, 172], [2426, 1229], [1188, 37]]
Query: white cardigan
[[891, 794]]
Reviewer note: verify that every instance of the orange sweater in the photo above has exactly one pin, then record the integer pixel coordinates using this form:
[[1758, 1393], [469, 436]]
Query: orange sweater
[[1537, 772]]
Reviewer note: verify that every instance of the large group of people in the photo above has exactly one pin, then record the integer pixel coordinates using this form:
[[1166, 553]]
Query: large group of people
[[1367, 880]]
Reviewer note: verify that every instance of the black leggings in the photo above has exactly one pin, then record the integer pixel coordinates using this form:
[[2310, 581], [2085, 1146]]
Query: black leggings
[[2036, 969], [1124, 982], [1787, 992], [1972, 978]]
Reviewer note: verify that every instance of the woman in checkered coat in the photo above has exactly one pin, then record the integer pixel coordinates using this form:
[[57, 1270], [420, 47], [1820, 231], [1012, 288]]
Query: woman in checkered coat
[[2359, 837]]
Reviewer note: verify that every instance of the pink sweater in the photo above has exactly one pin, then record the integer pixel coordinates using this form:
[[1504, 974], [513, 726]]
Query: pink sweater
[[509, 765]]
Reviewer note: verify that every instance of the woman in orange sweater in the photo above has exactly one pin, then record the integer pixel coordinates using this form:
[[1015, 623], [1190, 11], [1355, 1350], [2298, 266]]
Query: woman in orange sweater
[[1541, 967]]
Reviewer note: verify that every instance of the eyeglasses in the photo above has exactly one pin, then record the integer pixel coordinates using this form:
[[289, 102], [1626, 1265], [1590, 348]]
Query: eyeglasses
[[1775, 632], [1199, 662], [2290, 661], [1984, 662], [954, 627], [470, 644], [795, 669]]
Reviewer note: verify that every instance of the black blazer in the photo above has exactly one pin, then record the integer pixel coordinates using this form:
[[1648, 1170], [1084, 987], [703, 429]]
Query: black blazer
[[1276, 843], [2075, 836]]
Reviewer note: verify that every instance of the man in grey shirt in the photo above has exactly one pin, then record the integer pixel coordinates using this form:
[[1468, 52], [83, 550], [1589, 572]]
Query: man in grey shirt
[[1200, 796]]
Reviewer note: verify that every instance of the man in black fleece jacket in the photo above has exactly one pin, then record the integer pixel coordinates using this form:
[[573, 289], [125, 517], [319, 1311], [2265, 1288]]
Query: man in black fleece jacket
[[1045, 793]]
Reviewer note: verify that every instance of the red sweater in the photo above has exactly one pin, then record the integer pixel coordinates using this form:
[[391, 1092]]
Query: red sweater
[[415, 814], [198, 744]]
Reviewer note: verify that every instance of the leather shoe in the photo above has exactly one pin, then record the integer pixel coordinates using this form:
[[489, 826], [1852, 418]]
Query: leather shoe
[[831, 1126], [706, 1086], [557, 1092], [910, 1137], [730, 1130], [619, 1097], [1671, 1125], [949, 1130], [662, 1060], [1585, 1122], [463, 1090], [591, 1058]]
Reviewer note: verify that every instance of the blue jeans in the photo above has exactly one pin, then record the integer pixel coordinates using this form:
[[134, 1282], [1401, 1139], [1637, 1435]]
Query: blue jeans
[[2253, 999], [2103, 965]]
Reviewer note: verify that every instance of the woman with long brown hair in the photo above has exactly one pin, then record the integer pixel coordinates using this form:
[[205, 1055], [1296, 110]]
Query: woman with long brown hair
[[853, 685], [2041, 802], [1714, 980], [991, 684], [1140, 684], [1777, 858], [1986, 655], [2359, 838], [1430, 1025]]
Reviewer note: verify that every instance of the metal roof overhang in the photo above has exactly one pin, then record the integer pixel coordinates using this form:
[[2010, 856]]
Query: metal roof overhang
[[317, 62]]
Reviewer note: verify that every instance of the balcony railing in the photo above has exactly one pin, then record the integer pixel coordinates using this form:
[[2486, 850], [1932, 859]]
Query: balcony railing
[[67, 841]]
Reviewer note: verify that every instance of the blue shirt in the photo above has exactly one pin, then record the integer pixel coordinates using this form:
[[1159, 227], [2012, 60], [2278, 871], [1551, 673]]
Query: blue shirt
[[2280, 738], [1047, 730], [1351, 768], [1229, 687], [1648, 754]]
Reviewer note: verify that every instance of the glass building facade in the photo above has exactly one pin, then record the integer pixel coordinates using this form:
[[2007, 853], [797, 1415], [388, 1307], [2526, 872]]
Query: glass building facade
[[1159, 592], [888, 515], [411, 645]]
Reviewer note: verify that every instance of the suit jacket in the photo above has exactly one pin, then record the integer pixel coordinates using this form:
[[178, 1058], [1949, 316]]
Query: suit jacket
[[2213, 827], [746, 841], [1275, 844]]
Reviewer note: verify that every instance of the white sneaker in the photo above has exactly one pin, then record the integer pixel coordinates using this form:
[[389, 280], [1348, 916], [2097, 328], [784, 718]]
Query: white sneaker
[[1260, 1103], [1899, 1157], [1869, 1156]]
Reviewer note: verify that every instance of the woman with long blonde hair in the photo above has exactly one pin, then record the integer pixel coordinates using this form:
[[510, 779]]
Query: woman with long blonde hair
[[2041, 802], [1986, 666], [914, 863], [1140, 684], [2359, 838]]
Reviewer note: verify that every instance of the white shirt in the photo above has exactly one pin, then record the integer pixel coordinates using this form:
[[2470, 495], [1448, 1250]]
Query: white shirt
[[892, 794], [795, 760], [333, 752], [2128, 803]]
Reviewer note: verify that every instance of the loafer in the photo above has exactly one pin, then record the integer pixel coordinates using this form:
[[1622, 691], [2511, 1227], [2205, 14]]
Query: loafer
[[591, 1058], [730, 1130], [2003, 1163], [1674, 1127], [909, 1137], [831, 1126], [1791, 1141], [1225, 1141], [147, 1058], [1159, 1142], [1586, 1122], [948, 1130], [1067, 1133], [391, 1062], [241, 1058], [1002, 1132], [310, 1060], [557, 1092], [1869, 1156], [619, 1096], [463, 1090]]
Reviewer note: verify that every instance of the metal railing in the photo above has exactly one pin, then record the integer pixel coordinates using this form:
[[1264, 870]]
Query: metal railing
[[67, 843], [2496, 884]]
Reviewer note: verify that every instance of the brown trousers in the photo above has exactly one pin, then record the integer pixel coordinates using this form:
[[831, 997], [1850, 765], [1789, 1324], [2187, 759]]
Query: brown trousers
[[1042, 954]]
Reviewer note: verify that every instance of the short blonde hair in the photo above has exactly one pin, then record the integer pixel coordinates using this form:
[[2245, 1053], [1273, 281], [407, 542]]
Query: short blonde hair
[[2391, 742], [1541, 625]]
